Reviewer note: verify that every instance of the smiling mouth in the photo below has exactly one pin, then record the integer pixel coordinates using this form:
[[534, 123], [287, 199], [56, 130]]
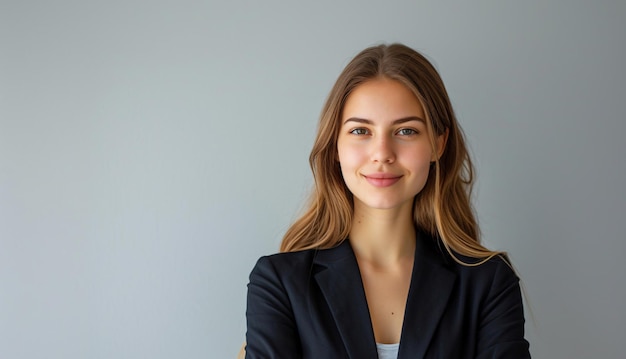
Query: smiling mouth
[[382, 180]]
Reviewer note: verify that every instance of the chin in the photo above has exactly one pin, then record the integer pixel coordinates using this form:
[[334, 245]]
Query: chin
[[385, 204]]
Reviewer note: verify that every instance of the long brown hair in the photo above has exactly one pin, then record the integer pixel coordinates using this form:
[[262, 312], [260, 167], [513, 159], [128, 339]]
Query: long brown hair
[[443, 207]]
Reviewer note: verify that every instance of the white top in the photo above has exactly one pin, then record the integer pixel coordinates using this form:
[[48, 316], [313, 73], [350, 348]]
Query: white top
[[387, 351]]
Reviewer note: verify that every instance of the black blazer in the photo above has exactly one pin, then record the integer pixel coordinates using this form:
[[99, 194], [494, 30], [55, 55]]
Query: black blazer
[[311, 304]]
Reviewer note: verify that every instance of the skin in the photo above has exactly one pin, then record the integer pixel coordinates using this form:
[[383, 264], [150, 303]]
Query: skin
[[385, 153]]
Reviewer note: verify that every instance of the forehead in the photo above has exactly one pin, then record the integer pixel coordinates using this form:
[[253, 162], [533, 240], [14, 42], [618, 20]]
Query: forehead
[[382, 100]]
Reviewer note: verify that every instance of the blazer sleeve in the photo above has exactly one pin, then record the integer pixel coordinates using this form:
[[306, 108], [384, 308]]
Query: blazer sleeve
[[271, 329], [501, 328]]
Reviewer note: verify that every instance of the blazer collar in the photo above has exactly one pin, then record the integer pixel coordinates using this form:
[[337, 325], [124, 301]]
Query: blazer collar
[[340, 281], [341, 285], [432, 282]]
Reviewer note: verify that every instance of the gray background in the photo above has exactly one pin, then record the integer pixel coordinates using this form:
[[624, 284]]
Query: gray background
[[151, 151]]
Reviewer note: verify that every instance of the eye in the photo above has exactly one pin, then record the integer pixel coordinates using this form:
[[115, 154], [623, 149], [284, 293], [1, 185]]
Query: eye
[[359, 131], [407, 132]]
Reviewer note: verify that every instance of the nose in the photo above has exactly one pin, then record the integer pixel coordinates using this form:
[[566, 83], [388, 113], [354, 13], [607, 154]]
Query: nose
[[382, 150]]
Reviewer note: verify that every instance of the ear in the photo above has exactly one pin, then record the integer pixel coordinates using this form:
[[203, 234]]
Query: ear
[[440, 143]]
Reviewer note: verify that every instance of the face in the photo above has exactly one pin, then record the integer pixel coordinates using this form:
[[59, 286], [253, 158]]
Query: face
[[384, 147]]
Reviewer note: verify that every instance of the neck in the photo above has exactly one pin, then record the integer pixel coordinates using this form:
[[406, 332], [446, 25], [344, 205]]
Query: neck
[[383, 237]]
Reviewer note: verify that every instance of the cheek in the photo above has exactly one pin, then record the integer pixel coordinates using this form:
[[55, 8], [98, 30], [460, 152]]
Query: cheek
[[349, 156], [417, 151], [350, 163], [419, 162], [348, 167]]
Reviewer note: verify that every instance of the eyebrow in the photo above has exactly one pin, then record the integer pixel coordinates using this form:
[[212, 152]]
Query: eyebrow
[[395, 122]]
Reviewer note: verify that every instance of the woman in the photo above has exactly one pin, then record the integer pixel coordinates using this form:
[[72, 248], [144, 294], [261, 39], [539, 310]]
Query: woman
[[386, 261]]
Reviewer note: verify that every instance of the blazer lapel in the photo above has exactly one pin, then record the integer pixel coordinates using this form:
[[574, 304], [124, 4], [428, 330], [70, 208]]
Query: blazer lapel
[[341, 285], [431, 285]]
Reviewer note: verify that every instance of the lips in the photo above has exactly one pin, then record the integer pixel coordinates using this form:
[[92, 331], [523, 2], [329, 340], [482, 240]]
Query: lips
[[382, 179]]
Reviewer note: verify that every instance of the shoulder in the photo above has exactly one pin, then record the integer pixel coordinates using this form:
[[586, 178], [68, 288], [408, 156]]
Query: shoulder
[[283, 278], [491, 287], [475, 272], [498, 266], [288, 261], [495, 272], [307, 259], [294, 266]]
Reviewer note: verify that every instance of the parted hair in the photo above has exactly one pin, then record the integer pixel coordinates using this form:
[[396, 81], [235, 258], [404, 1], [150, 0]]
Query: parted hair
[[442, 208]]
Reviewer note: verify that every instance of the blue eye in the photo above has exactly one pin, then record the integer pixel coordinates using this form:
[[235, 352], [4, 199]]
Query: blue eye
[[359, 131], [407, 132]]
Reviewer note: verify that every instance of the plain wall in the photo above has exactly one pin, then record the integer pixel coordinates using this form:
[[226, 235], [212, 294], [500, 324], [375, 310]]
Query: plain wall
[[151, 151]]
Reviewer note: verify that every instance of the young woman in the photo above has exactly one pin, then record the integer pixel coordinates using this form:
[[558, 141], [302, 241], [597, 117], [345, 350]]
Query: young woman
[[386, 261]]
